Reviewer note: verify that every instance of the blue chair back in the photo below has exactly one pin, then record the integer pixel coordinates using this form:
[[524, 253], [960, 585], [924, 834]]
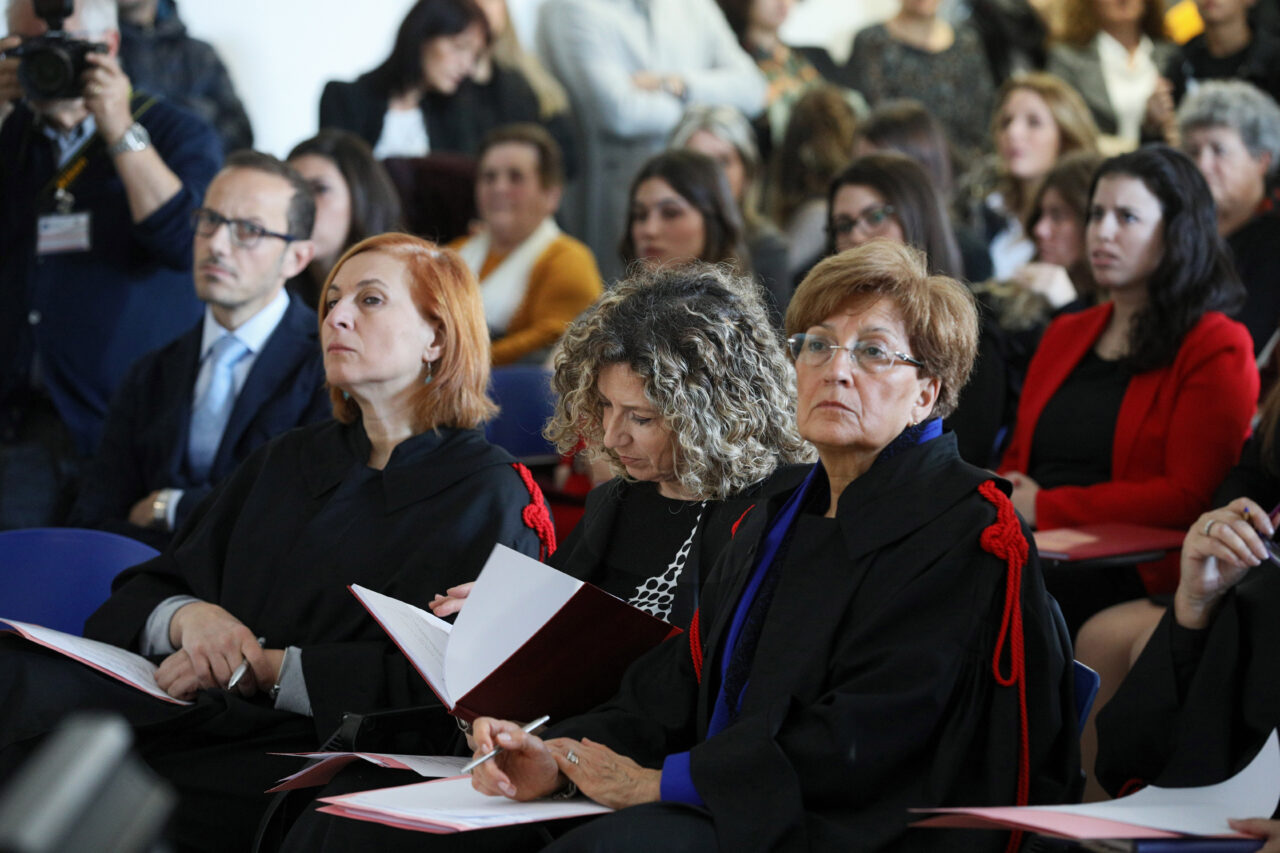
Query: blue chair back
[[57, 576], [1086, 685], [524, 394]]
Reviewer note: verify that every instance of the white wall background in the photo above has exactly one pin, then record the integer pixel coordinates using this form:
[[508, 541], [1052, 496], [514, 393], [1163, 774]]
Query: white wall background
[[281, 52]]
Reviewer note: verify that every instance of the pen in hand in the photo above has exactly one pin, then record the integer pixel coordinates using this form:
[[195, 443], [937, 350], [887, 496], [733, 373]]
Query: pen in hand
[[476, 762], [243, 668]]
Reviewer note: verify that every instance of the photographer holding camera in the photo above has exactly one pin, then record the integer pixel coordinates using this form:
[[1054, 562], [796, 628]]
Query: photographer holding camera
[[98, 184]]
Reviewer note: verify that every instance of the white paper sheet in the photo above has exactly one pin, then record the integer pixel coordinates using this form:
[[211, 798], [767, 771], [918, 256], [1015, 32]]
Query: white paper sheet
[[1151, 812], [514, 591], [422, 636], [1253, 792], [452, 804], [123, 665]]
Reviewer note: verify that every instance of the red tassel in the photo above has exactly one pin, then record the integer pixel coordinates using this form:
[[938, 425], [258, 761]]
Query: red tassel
[[1004, 539], [695, 644], [536, 516], [733, 531]]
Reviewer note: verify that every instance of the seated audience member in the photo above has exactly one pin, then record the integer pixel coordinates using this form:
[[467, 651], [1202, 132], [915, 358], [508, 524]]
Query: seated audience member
[[354, 199], [190, 412], [1038, 119], [421, 98], [889, 197], [1112, 640], [401, 493], [507, 76], [917, 54], [1112, 421], [113, 282], [668, 359], [1057, 278], [907, 126], [1201, 698], [159, 57], [845, 668], [681, 210], [1230, 48], [818, 144], [631, 69], [788, 72], [1112, 54], [1232, 131], [725, 135], [533, 277]]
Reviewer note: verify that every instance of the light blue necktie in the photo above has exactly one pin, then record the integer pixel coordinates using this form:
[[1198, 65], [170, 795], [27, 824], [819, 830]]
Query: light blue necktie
[[209, 414]]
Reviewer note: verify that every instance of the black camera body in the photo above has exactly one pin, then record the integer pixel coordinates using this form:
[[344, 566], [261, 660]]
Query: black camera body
[[53, 64]]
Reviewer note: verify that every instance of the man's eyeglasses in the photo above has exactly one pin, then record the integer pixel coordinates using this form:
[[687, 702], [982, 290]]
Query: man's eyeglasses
[[817, 350], [244, 234], [872, 220]]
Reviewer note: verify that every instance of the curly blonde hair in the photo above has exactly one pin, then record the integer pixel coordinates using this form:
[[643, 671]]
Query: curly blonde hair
[[713, 366]]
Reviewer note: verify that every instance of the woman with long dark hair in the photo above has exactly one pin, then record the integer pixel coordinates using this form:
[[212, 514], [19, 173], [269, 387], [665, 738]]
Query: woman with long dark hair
[[423, 98], [354, 199], [682, 210], [1114, 422]]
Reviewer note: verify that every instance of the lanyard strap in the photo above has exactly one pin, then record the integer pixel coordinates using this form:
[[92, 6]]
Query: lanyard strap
[[71, 172]]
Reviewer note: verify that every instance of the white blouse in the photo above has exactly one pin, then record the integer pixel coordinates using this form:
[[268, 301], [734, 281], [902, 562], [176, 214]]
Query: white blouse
[[1130, 80], [404, 134]]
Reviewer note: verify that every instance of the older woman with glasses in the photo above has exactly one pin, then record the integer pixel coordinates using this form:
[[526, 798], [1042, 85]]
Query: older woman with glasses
[[881, 638]]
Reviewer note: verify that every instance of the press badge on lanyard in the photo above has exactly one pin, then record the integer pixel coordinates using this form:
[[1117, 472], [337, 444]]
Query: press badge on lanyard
[[62, 232]]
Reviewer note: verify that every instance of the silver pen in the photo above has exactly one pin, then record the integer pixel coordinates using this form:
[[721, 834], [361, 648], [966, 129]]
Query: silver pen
[[476, 762], [242, 668]]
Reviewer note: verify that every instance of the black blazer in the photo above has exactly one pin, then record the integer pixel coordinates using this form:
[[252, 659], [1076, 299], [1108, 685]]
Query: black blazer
[[144, 445], [456, 122]]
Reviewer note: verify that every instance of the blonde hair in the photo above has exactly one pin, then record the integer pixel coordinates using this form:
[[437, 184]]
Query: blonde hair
[[1077, 131]]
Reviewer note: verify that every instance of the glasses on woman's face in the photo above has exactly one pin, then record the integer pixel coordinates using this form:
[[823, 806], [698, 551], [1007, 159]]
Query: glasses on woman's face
[[873, 220], [244, 234], [817, 350]]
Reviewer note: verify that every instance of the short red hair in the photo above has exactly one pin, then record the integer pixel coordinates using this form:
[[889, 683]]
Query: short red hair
[[445, 293]]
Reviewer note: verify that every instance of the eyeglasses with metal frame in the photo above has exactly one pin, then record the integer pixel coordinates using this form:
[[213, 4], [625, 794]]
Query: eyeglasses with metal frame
[[817, 350]]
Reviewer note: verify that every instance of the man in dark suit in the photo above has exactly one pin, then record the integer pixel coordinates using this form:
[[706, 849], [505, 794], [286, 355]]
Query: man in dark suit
[[188, 413]]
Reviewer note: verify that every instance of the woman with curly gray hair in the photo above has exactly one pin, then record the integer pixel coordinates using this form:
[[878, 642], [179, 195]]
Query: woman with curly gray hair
[[679, 381], [676, 379], [1232, 130]]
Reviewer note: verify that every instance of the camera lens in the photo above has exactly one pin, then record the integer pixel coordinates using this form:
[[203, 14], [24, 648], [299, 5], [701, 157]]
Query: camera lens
[[48, 73]]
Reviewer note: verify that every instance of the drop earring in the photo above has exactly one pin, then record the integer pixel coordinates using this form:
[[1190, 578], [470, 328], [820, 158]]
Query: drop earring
[[426, 380]]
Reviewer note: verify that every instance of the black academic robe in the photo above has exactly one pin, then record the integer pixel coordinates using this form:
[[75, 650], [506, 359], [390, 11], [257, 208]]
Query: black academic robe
[[276, 544], [279, 542], [871, 689], [1197, 705]]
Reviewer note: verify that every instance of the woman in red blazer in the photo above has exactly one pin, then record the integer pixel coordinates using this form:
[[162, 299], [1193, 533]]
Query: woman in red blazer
[[1136, 409]]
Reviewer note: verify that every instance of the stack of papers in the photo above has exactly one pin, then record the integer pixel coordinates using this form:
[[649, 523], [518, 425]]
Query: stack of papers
[[451, 805]]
